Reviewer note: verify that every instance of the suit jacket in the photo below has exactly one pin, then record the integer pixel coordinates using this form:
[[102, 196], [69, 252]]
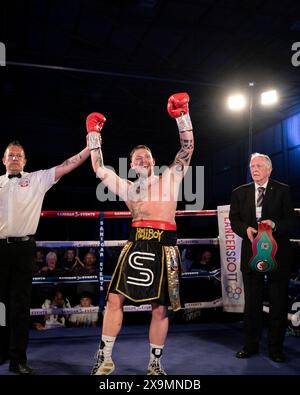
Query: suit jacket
[[277, 206]]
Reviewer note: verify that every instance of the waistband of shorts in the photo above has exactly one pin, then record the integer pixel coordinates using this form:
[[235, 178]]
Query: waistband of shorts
[[162, 225], [164, 237]]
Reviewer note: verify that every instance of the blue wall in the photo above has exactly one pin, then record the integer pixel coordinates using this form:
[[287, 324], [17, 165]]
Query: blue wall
[[228, 168]]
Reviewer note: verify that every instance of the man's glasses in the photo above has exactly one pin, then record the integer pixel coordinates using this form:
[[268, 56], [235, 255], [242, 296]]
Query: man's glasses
[[17, 156]]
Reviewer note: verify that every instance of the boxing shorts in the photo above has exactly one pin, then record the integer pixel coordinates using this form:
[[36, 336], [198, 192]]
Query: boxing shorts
[[148, 268]]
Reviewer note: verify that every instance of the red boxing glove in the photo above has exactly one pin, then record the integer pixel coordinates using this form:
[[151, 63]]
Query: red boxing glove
[[95, 122], [178, 104]]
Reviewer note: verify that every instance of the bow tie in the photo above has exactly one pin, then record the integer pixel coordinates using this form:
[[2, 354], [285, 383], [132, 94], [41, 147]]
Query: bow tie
[[19, 175]]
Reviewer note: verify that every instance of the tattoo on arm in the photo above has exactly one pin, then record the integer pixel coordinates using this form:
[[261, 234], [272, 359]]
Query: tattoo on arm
[[71, 161], [99, 157], [184, 155]]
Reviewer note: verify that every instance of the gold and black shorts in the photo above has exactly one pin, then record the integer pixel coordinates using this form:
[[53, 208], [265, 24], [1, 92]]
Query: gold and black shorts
[[148, 268]]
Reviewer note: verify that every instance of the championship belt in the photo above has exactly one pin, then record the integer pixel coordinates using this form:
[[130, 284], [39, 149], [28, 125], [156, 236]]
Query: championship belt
[[264, 248]]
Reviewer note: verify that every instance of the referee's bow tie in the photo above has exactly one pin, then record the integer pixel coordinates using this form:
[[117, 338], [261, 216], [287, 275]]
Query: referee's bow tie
[[19, 175]]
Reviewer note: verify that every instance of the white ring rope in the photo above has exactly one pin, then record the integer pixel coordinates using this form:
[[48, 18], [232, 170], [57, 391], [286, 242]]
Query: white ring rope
[[294, 318], [121, 243], [118, 243], [93, 279], [129, 308]]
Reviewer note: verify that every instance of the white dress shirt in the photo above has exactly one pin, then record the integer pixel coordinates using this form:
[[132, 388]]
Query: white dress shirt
[[21, 202]]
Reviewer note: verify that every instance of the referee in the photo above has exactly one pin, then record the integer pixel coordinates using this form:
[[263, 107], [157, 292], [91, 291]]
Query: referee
[[21, 198]]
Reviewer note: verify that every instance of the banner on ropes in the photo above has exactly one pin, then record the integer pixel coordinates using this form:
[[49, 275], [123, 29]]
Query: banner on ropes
[[101, 263], [230, 253], [2, 314]]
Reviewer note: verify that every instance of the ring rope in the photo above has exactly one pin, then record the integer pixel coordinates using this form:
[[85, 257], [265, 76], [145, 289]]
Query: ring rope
[[126, 308], [123, 214], [116, 214], [93, 279], [117, 243], [121, 243], [294, 318]]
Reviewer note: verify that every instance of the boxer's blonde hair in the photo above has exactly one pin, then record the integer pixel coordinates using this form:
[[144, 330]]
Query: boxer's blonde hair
[[141, 146]]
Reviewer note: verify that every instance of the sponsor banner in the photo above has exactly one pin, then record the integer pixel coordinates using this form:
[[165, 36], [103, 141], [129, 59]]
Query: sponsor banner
[[230, 253]]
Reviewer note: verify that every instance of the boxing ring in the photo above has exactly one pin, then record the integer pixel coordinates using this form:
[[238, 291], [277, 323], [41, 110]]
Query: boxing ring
[[192, 348], [101, 278]]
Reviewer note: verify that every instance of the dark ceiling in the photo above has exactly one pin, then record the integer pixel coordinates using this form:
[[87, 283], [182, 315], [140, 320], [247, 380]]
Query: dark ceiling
[[66, 59]]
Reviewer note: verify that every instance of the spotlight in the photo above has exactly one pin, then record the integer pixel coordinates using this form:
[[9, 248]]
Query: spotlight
[[236, 102], [269, 97]]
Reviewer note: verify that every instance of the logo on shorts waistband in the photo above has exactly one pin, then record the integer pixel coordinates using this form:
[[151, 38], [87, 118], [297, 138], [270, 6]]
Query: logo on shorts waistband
[[148, 234]]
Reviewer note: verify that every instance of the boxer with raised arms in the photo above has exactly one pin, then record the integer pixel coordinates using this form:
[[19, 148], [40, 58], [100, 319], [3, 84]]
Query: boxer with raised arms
[[149, 264]]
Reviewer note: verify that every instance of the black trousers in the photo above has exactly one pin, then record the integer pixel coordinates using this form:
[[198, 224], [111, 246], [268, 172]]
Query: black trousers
[[278, 299], [16, 267]]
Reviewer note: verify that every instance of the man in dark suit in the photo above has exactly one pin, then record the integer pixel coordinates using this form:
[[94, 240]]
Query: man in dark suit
[[269, 202]]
